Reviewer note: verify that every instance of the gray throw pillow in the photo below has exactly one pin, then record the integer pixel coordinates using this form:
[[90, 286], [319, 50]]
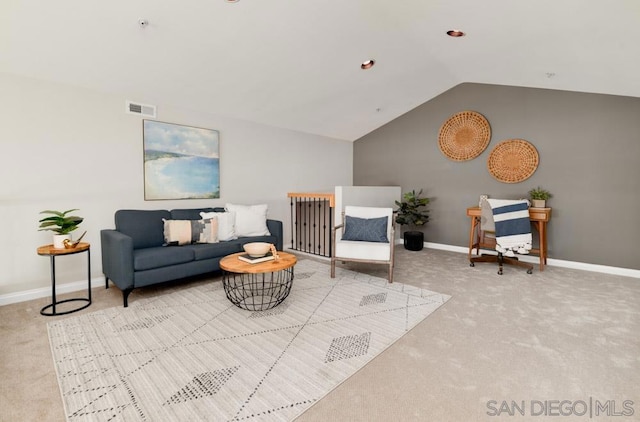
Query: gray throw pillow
[[366, 229]]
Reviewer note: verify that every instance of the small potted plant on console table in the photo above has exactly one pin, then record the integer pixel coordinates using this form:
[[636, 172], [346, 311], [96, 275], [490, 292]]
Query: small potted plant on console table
[[539, 197], [412, 212], [62, 224]]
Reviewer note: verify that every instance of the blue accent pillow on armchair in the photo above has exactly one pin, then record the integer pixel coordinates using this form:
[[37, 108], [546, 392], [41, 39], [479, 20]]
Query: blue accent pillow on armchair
[[366, 229]]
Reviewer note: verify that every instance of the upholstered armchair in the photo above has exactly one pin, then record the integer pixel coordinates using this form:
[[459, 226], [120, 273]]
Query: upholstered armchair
[[366, 234]]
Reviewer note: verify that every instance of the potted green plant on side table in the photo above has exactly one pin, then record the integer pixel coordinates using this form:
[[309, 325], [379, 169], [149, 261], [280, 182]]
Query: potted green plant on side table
[[412, 212], [539, 197], [62, 224]]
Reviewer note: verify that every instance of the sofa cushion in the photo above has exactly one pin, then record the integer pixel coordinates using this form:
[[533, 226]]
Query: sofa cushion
[[149, 258], [214, 250], [377, 251], [145, 227], [268, 239]]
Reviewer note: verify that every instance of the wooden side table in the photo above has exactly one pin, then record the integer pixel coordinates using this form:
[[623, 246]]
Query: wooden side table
[[51, 252]]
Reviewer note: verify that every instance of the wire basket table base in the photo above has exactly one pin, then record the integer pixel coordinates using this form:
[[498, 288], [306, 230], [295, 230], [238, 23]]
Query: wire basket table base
[[258, 291]]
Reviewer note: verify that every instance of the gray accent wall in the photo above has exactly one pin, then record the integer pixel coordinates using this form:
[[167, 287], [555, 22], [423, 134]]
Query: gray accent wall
[[589, 148]]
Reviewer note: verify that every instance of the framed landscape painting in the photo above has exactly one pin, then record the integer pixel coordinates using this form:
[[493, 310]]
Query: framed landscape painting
[[180, 162]]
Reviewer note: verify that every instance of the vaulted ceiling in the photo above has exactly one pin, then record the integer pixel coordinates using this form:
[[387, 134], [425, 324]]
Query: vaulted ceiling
[[296, 63]]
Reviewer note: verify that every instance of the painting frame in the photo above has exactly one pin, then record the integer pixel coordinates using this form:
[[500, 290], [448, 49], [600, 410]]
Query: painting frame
[[180, 162]]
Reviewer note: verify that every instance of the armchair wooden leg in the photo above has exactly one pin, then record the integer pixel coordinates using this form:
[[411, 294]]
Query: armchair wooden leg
[[333, 268], [390, 273]]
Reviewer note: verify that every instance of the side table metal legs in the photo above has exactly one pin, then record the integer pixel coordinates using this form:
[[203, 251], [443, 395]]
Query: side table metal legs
[[257, 292], [55, 302]]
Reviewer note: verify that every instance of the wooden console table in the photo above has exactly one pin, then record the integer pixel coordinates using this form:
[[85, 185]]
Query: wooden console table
[[538, 216]]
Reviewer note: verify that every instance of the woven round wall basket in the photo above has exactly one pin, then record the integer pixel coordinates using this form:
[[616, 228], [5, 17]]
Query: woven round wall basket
[[464, 136], [513, 161]]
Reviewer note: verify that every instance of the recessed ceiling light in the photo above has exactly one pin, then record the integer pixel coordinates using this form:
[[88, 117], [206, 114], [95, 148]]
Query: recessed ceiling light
[[368, 64], [455, 33]]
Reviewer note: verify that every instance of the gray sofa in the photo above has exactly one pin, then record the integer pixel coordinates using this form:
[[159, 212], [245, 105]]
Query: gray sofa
[[133, 254]]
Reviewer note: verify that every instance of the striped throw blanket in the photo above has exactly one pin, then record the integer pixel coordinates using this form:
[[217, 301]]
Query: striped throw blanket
[[513, 227]]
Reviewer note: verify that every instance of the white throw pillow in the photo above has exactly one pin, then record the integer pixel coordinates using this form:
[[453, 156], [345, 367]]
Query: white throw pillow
[[251, 220], [226, 224]]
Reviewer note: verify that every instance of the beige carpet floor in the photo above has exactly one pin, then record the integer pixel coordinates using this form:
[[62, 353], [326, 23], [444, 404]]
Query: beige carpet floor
[[553, 336]]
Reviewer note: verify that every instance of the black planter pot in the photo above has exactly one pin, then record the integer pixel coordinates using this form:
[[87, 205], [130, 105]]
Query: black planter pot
[[413, 241]]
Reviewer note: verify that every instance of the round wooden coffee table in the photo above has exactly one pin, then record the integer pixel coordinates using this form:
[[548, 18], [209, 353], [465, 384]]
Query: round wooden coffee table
[[257, 287]]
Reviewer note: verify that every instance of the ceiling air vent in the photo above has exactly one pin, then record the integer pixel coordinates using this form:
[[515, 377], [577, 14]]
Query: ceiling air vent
[[145, 110]]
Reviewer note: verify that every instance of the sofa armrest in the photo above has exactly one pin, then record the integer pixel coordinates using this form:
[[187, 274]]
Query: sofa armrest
[[117, 258], [275, 228]]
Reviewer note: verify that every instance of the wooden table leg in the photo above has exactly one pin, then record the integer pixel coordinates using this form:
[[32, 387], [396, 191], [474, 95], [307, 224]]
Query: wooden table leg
[[543, 244], [472, 235]]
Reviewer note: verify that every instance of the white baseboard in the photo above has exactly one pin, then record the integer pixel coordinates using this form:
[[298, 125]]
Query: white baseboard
[[23, 296], [627, 272], [41, 292]]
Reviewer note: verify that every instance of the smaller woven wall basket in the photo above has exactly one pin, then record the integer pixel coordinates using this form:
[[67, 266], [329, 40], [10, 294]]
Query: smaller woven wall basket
[[513, 161], [464, 136]]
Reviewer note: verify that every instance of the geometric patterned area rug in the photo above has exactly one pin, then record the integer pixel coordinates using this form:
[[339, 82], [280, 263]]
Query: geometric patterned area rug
[[191, 355]]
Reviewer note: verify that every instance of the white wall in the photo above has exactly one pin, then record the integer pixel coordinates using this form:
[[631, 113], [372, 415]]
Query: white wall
[[65, 147]]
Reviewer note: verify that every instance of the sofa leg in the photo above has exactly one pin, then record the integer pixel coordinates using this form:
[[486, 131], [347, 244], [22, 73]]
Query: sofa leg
[[106, 282], [125, 296]]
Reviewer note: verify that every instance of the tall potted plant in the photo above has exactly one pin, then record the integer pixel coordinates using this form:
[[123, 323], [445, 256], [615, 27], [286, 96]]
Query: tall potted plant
[[60, 223], [412, 212]]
